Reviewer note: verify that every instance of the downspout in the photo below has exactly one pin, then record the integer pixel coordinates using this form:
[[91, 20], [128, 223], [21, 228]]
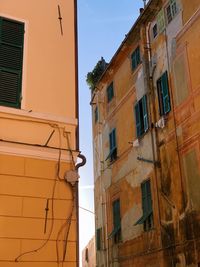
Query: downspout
[[102, 189], [152, 116]]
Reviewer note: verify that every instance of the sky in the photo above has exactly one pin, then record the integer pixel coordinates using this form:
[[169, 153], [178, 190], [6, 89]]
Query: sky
[[102, 26]]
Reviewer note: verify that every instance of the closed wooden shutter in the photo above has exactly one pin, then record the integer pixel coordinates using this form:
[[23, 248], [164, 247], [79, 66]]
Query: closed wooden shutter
[[116, 214], [146, 198], [11, 59], [135, 58], [165, 93], [138, 120]]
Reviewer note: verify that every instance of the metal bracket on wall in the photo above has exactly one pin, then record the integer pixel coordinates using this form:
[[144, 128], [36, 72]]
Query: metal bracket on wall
[[156, 163]]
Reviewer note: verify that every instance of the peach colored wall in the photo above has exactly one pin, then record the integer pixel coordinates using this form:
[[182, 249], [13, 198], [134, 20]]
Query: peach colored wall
[[49, 72]]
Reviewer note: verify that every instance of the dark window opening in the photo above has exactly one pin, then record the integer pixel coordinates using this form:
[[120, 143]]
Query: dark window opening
[[155, 30], [110, 92]]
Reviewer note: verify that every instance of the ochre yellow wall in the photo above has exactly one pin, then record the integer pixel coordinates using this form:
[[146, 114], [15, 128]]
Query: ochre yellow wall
[[25, 186]]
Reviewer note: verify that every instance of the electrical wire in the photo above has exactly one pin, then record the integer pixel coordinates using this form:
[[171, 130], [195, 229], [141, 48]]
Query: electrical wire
[[52, 202], [66, 223], [51, 228]]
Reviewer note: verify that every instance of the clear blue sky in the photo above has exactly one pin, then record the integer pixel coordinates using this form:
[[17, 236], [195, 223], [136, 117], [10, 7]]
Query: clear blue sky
[[102, 25]]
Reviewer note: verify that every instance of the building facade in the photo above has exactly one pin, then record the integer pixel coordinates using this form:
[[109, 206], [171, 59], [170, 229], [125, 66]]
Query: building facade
[[89, 255], [146, 142], [38, 134]]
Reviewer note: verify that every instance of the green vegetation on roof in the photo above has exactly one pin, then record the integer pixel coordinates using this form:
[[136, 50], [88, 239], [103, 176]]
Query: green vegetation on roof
[[93, 77]]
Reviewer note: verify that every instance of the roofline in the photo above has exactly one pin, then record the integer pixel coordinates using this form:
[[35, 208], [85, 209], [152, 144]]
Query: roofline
[[137, 22]]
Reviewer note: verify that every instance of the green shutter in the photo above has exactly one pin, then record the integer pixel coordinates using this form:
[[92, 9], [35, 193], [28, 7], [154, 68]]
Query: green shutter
[[98, 239], [112, 139], [145, 114], [146, 197], [165, 93], [138, 120], [173, 5], [116, 214], [135, 58], [138, 55], [146, 202], [161, 21], [113, 146], [116, 219], [11, 59]]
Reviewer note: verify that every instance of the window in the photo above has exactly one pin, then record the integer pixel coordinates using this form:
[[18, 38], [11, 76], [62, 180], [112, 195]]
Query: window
[[113, 146], [11, 60], [155, 30], [135, 58], [116, 233], [96, 114], [163, 94], [98, 238], [147, 216], [141, 116], [171, 10], [110, 92]]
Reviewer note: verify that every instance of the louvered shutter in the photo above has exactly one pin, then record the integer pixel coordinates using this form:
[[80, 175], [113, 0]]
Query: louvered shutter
[[11, 58], [165, 93], [138, 120], [161, 21], [145, 114]]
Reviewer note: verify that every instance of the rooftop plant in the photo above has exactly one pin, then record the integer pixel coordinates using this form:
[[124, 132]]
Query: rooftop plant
[[93, 77]]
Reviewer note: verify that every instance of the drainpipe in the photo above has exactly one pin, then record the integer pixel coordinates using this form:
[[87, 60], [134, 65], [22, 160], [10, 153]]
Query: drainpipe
[[103, 203], [152, 114]]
